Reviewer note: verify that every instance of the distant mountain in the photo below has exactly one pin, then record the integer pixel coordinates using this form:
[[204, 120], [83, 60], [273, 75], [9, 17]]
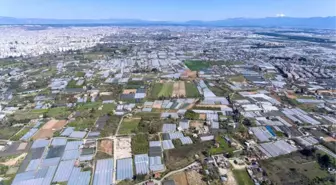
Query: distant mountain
[[313, 22]]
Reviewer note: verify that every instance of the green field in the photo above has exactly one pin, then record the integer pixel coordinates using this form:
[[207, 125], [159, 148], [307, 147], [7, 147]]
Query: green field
[[197, 65], [82, 123], [140, 144], [191, 90], [6, 131], [18, 135], [242, 177], [166, 90], [161, 90], [129, 125], [59, 112], [223, 147]]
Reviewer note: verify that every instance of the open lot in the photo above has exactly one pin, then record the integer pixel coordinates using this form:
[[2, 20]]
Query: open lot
[[129, 125], [106, 146], [294, 169], [183, 156], [180, 178], [194, 177], [48, 129], [242, 177], [123, 147]]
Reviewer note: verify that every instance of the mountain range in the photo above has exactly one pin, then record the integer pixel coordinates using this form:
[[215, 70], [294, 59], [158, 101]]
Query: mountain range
[[312, 22]]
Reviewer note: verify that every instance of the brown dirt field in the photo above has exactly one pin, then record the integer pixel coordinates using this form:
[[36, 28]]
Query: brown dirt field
[[50, 124], [49, 128], [129, 91], [202, 116], [231, 180], [196, 124], [179, 89], [106, 146], [194, 178], [329, 139], [180, 178]]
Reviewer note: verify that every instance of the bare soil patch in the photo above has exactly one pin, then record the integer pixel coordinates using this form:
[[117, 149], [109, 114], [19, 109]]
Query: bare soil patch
[[194, 178], [180, 178], [49, 128], [179, 89], [106, 146]]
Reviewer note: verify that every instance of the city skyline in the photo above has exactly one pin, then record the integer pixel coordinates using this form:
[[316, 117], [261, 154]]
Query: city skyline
[[165, 10]]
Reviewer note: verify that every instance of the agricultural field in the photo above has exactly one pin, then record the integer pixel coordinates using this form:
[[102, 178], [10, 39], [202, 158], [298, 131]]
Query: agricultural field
[[191, 90], [140, 144], [18, 135], [6, 132], [129, 125], [197, 65], [48, 129], [166, 90], [82, 123], [295, 168], [242, 177], [58, 112]]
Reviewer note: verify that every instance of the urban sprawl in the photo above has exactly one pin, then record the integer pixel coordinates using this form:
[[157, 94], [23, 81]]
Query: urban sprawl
[[167, 105]]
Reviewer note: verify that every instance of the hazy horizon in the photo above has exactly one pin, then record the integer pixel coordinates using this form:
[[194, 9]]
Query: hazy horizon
[[165, 10]]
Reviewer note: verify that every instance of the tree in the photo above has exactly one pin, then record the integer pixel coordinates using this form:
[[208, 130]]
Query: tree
[[324, 160]]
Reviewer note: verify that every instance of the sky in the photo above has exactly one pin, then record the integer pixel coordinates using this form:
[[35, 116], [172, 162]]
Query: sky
[[165, 10]]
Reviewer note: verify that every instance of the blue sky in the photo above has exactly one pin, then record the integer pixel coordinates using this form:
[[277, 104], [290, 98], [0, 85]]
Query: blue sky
[[169, 10]]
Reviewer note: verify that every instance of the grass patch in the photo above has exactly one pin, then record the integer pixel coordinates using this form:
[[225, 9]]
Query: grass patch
[[242, 177], [59, 112], [166, 90], [72, 84], [91, 105], [129, 125], [140, 144], [110, 127], [18, 136], [6, 131], [223, 147], [295, 168], [183, 156], [191, 90], [80, 74], [156, 90], [237, 78], [197, 65], [25, 116], [82, 123], [150, 126]]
